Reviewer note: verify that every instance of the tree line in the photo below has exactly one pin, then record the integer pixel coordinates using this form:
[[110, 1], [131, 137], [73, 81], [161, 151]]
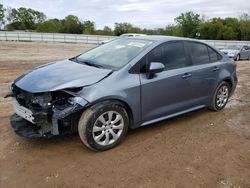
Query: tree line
[[187, 24]]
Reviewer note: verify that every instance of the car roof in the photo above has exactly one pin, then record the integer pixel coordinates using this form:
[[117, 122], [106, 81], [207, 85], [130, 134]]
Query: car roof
[[163, 38]]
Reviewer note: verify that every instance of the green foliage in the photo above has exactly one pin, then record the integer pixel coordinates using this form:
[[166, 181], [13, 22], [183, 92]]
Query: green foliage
[[105, 31], [2, 14], [121, 28], [72, 24], [189, 24], [170, 30], [88, 27], [50, 26], [220, 29], [16, 26], [244, 27], [27, 17], [211, 29]]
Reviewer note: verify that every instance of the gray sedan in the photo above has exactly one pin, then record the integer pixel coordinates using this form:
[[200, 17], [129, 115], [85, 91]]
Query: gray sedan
[[126, 83], [237, 52]]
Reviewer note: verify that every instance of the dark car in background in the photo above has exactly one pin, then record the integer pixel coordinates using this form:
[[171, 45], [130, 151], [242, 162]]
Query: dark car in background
[[237, 52], [126, 83]]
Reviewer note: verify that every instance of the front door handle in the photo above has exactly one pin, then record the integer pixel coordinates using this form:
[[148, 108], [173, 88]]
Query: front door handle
[[186, 75], [216, 68]]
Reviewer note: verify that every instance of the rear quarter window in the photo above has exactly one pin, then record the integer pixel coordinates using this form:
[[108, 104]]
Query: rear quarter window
[[202, 54], [213, 55]]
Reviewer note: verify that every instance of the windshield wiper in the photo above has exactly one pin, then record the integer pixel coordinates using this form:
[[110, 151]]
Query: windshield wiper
[[90, 63], [87, 62]]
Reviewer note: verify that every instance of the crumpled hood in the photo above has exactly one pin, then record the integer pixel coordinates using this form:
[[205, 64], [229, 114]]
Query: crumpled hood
[[60, 75]]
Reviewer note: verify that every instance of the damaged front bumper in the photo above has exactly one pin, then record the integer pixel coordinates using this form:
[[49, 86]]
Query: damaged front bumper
[[55, 119], [24, 128]]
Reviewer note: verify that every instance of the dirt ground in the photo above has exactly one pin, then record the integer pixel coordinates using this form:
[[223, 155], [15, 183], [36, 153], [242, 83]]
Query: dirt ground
[[200, 149]]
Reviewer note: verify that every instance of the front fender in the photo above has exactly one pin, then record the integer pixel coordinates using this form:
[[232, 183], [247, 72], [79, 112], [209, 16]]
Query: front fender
[[124, 88]]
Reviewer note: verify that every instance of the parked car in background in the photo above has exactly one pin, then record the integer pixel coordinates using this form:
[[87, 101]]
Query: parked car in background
[[132, 35], [127, 83], [237, 52]]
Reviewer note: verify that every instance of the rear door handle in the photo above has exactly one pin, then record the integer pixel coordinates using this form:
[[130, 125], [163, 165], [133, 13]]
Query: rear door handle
[[216, 68], [186, 75]]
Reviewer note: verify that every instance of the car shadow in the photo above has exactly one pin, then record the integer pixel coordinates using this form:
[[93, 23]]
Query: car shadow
[[169, 122], [74, 141]]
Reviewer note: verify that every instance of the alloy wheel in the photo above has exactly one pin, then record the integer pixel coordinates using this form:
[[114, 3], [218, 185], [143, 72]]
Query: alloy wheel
[[222, 96], [108, 128]]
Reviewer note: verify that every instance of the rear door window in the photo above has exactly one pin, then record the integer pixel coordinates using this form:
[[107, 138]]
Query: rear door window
[[198, 53]]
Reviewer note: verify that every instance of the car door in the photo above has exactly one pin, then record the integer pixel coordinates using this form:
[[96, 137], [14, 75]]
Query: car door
[[167, 92], [205, 70], [247, 52], [244, 52]]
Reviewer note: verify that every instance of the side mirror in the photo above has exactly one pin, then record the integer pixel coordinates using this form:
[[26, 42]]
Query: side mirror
[[154, 67]]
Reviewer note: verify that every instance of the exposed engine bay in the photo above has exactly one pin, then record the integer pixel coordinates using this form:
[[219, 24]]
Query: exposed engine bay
[[45, 114]]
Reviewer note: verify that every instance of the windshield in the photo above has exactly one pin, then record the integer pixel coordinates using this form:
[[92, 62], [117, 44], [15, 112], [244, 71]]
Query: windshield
[[232, 47], [114, 54]]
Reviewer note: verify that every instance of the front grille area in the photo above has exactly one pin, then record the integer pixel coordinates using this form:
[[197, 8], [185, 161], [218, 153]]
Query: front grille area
[[35, 102]]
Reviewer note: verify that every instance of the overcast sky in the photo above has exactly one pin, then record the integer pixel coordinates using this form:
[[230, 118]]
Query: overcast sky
[[143, 13]]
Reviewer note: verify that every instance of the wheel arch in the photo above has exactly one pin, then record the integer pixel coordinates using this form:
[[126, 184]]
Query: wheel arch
[[226, 79], [119, 101], [229, 81]]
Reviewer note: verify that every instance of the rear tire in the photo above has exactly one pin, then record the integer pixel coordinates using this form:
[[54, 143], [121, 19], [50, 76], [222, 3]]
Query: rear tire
[[220, 97], [104, 125]]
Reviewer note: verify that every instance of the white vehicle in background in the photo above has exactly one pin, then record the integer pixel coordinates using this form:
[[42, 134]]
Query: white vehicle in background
[[132, 35], [125, 35]]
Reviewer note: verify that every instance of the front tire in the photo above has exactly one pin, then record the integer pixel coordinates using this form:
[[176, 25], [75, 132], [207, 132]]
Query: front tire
[[221, 96], [104, 125]]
